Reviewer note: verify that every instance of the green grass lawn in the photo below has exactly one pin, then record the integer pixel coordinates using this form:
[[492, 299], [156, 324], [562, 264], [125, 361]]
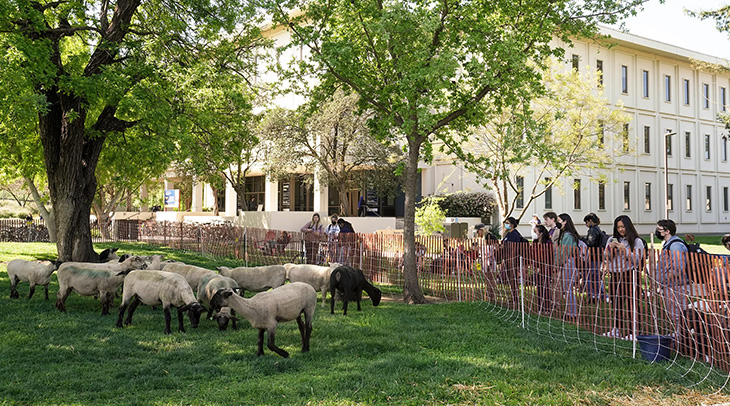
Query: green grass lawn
[[446, 353]]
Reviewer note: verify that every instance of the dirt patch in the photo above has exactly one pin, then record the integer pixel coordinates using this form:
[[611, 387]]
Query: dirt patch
[[399, 299]]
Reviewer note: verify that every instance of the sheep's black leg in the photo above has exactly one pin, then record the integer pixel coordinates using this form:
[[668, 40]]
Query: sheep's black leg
[[122, 308], [272, 346], [32, 291], [261, 342], [234, 326], [345, 298], [304, 330], [14, 287], [105, 303], [132, 308], [168, 318], [46, 290], [61, 299], [180, 325], [302, 333], [332, 299], [359, 298]]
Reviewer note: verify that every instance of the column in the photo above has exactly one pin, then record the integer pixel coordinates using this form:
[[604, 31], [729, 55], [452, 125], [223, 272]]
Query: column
[[197, 203], [271, 201], [231, 201], [321, 192]]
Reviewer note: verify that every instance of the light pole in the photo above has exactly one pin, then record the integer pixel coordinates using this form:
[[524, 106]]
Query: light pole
[[668, 134]]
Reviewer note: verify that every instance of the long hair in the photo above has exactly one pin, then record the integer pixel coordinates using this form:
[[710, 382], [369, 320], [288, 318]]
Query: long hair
[[318, 223], [568, 226], [631, 233], [542, 232]]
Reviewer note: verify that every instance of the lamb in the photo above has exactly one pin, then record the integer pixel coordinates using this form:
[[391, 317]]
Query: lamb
[[265, 310], [32, 272], [209, 285], [191, 273], [224, 315], [160, 287], [316, 276], [256, 279], [90, 279], [351, 282]]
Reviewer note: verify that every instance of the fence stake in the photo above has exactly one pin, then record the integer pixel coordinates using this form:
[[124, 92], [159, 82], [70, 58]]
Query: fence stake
[[458, 278], [633, 312], [522, 291], [245, 235]]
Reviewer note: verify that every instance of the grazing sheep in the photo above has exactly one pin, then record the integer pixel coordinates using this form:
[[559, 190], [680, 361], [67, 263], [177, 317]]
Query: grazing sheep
[[191, 273], [90, 279], [316, 276], [265, 310], [154, 262], [35, 273], [209, 285], [223, 316], [256, 279], [160, 287], [351, 282], [109, 254]]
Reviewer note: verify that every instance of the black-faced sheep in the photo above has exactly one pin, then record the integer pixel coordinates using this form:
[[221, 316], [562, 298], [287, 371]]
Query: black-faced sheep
[[223, 316], [90, 279], [256, 279], [109, 254], [209, 285], [191, 273], [159, 287], [351, 282], [35, 273], [316, 276], [265, 310]]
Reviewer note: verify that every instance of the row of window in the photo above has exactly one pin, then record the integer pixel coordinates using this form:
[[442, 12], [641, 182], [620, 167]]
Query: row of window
[[577, 196], [707, 142], [686, 88]]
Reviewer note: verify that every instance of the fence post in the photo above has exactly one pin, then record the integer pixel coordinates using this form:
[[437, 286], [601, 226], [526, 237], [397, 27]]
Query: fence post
[[458, 278], [522, 290], [634, 311], [201, 248], [243, 241]]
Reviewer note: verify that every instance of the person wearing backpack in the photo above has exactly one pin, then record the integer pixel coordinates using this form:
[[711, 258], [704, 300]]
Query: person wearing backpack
[[511, 251], [566, 253], [595, 241], [671, 271], [623, 255]]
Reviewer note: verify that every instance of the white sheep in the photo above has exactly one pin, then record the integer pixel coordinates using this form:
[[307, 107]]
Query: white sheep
[[209, 285], [92, 279], [265, 310], [191, 273], [257, 278], [316, 276], [159, 287], [154, 262], [35, 273]]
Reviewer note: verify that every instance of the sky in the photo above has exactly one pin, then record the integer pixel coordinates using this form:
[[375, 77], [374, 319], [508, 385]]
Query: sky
[[667, 23]]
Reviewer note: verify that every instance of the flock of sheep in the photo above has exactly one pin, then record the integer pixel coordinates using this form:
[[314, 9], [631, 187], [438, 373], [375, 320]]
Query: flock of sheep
[[151, 281]]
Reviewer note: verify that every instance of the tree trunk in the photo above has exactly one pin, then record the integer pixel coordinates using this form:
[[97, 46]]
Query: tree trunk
[[71, 158], [344, 200], [48, 215], [411, 287]]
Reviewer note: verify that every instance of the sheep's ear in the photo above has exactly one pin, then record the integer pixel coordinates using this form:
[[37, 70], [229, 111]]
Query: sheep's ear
[[227, 293], [114, 249], [184, 308]]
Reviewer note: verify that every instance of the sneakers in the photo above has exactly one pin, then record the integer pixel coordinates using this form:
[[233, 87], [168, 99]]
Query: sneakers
[[613, 333], [629, 337]]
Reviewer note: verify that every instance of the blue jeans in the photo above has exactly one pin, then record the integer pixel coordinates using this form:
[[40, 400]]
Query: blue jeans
[[594, 283]]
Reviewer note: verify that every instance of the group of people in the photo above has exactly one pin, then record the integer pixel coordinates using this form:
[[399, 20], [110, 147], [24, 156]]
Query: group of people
[[620, 254], [332, 237]]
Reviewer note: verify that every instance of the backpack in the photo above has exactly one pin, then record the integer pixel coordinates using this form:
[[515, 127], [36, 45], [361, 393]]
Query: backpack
[[603, 240], [694, 248], [583, 247]]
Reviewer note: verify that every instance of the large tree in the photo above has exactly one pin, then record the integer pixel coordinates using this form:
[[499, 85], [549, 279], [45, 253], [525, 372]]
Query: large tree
[[570, 129], [97, 69], [427, 68], [330, 138]]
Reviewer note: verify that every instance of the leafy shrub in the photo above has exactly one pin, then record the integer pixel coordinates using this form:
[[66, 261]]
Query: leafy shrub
[[462, 204]]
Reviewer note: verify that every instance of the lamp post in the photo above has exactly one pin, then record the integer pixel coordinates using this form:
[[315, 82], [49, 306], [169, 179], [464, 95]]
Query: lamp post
[[668, 134]]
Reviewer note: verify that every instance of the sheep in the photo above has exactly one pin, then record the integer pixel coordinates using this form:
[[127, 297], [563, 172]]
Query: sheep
[[209, 285], [351, 282], [89, 279], [160, 287], [316, 276], [32, 272], [154, 262], [108, 255], [256, 279], [191, 273], [224, 315], [265, 310]]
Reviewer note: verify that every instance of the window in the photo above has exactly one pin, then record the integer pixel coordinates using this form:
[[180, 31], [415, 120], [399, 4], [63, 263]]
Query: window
[[645, 83], [647, 196], [576, 194], [705, 96], [725, 201], [601, 196], [624, 79], [254, 192], [687, 144], [625, 137], [707, 146], [647, 140], [723, 149], [670, 197], [708, 198], [688, 201], [685, 92], [669, 142], [723, 95], [667, 88], [601, 136], [520, 184], [548, 194], [627, 195], [599, 69], [576, 62]]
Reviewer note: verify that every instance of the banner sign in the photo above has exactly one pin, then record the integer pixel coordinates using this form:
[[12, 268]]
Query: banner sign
[[172, 198]]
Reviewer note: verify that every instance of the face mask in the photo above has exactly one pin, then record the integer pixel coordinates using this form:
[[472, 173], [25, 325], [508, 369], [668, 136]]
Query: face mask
[[334, 222], [658, 235], [558, 226], [506, 226]]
